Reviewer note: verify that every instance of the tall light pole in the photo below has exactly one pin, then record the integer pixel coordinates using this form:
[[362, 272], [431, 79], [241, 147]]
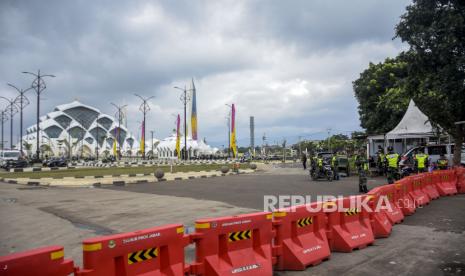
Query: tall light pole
[[228, 120], [38, 84], [329, 139], [184, 99], [144, 107], [3, 118], [13, 111], [22, 101], [120, 115]]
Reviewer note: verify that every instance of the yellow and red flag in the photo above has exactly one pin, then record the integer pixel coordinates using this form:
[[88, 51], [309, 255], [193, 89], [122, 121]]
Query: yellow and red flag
[[194, 113], [142, 139], [178, 137], [233, 131]]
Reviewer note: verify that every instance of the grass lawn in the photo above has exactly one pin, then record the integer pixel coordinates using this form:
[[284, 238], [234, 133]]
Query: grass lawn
[[80, 172]]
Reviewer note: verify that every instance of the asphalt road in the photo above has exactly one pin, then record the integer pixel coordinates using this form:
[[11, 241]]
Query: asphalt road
[[249, 190], [431, 242]]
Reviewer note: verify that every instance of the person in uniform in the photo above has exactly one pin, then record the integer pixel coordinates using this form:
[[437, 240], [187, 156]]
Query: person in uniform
[[335, 166], [443, 162], [304, 160], [363, 169], [392, 160], [381, 166], [421, 161]]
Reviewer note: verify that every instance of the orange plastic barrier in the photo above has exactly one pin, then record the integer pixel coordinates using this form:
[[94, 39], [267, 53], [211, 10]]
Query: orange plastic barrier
[[460, 172], [416, 190], [429, 187], [446, 182], [350, 229], [37, 262], [234, 245], [394, 214], [380, 223], [300, 237], [154, 251], [403, 199]]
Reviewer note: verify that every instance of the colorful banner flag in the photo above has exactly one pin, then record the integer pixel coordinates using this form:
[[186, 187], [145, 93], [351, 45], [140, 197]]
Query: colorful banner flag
[[114, 145], [178, 137], [142, 139], [233, 131], [194, 113]]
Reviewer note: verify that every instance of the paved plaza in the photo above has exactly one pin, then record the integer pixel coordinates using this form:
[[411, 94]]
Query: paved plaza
[[428, 243]]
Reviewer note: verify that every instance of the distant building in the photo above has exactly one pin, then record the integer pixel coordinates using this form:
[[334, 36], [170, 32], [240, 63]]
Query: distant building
[[72, 129], [166, 149]]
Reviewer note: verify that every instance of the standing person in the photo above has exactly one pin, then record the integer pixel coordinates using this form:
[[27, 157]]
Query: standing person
[[380, 161], [363, 169], [421, 161], [304, 160], [392, 160], [443, 162], [335, 166]]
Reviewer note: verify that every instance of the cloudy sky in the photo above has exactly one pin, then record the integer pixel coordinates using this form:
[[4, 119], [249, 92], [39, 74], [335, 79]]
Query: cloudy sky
[[288, 63]]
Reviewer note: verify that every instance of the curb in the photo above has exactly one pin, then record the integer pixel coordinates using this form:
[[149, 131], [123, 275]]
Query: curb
[[45, 181]]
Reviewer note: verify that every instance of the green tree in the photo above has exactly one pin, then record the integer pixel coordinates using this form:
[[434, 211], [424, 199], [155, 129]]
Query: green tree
[[435, 31], [381, 95]]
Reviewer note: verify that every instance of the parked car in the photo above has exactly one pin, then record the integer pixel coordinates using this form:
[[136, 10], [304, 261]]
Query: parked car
[[20, 163], [55, 162], [434, 152], [9, 157]]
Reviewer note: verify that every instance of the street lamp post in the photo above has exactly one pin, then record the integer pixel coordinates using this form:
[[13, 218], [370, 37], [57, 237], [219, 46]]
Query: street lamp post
[[229, 129], [120, 115], [39, 85], [4, 118], [184, 99], [22, 101], [13, 110], [144, 107]]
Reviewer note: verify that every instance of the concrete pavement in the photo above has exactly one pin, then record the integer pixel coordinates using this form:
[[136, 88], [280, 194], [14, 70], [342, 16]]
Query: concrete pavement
[[427, 243]]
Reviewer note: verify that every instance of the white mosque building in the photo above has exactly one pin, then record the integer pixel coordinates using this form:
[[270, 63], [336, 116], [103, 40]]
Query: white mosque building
[[74, 129]]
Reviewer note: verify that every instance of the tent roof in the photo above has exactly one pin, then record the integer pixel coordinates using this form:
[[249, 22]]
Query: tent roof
[[414, 124]]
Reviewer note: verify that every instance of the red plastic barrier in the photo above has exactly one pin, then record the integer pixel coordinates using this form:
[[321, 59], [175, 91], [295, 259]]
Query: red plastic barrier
[[37, 262], [460, 172], [154, 251], [446, 182], [349, 229], [429, 187], [380, 223], [402, 198], [394, 214], [300, 237], [231, 245], [416, 190]]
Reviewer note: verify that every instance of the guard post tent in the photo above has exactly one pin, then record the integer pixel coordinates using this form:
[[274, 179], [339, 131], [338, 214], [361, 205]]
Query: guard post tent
[[414, 129]]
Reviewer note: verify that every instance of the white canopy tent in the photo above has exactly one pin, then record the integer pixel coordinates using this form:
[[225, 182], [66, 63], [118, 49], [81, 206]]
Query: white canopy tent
[[414, 129], [414, 124]]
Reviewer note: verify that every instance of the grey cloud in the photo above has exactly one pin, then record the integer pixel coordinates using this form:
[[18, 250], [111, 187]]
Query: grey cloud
[[103, 51]]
